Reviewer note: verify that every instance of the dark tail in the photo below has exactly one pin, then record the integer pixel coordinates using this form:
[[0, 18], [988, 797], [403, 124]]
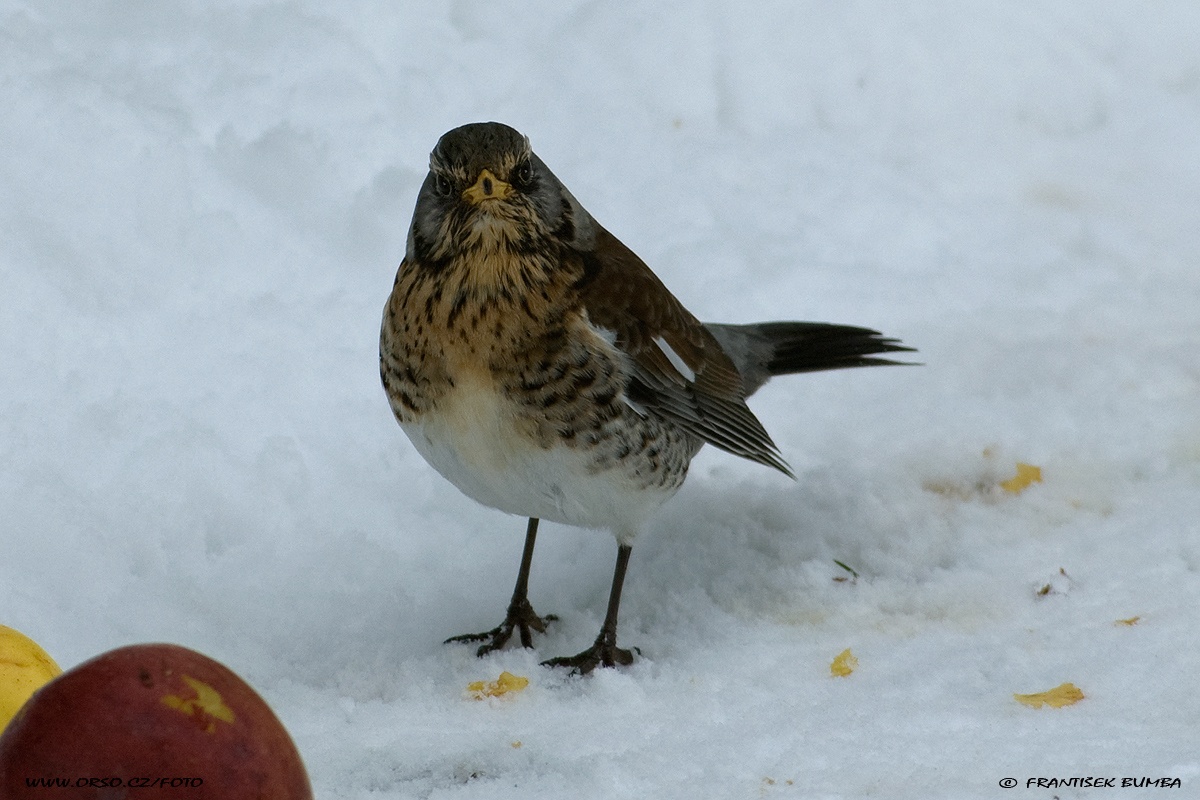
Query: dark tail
[[766, 349]]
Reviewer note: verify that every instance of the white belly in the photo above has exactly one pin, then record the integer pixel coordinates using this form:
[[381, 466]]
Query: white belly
[[474, 440]]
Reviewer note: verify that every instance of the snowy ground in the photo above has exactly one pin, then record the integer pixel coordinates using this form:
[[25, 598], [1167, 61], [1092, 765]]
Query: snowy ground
[[202, 205]]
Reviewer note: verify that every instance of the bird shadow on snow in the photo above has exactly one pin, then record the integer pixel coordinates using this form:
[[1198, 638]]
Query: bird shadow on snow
[[760, 553], [843, 548]]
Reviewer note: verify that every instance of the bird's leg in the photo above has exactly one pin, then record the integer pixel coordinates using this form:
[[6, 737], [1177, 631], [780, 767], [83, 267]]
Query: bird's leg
[[604, 652], [521, 616]]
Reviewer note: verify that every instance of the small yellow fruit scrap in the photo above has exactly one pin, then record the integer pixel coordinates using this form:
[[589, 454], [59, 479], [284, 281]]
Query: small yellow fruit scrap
[[1063, 695], [506, 683], [24, 668], [1130, 622], [844, 664], [1027, 474]]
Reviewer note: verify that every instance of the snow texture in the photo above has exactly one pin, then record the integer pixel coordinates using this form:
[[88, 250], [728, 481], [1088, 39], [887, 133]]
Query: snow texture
[[202, 205]]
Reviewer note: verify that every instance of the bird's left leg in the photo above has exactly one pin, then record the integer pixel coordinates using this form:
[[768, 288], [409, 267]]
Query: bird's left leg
[[604, 652]]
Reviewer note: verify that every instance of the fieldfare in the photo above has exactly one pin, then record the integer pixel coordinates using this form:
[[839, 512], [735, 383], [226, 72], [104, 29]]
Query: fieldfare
[[541, 367]]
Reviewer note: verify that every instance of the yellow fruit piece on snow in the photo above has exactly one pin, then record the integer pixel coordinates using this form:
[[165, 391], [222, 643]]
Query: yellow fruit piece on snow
[[1063, 695], [24, 668], [1027, 474], [844, 664], [507, 682]]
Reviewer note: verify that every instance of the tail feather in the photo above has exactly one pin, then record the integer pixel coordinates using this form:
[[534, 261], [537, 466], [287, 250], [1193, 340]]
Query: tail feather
[[766, 349]]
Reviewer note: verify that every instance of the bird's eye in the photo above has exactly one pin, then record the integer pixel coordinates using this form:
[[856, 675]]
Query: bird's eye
[[522, 174], [442, 185]]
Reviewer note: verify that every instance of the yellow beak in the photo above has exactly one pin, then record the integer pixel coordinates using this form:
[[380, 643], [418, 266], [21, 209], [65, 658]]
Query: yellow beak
[[487, 187]]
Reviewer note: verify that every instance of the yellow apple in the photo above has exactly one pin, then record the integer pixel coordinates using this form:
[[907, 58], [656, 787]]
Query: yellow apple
[[24, 668]]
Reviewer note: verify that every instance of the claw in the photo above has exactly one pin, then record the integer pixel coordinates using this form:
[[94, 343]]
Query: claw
[[601, 654], [521, 618]]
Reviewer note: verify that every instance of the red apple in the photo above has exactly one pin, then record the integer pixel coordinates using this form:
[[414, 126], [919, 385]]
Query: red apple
[[147, 721]]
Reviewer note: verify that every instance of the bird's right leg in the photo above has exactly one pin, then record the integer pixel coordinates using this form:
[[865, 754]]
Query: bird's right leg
[[521, 616]]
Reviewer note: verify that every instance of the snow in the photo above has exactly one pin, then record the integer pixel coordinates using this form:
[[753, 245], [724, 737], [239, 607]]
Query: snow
[[202, 206]]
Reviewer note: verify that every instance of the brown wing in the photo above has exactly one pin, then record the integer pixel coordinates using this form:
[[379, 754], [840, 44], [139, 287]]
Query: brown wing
[[679, 370]]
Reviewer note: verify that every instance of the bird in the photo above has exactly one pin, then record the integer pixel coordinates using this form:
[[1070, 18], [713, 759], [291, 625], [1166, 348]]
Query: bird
[[541, 367]]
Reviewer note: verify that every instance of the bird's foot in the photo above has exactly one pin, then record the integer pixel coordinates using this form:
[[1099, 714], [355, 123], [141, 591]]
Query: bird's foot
[[520, 618], [604, 653]]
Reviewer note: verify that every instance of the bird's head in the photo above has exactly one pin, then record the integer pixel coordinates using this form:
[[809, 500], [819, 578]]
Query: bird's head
[[487, 190]]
